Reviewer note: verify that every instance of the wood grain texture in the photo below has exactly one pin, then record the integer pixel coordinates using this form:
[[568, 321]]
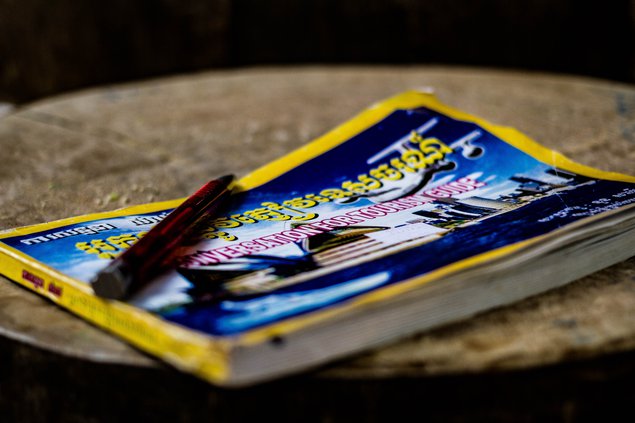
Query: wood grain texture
[[114, 146]]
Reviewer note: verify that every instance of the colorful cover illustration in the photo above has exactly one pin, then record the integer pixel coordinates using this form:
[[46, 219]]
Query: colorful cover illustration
[[406, 190]]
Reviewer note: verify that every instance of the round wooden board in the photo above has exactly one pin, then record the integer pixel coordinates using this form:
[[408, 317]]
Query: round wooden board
[[109, 147]]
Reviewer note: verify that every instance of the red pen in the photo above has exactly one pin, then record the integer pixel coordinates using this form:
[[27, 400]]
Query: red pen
[[155, 252]]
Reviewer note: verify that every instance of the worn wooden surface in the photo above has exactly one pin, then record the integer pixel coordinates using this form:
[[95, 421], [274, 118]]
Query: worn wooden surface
[[109, 147]]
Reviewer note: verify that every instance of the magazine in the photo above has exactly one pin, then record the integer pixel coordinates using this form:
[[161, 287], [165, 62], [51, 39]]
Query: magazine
[[409, 216]]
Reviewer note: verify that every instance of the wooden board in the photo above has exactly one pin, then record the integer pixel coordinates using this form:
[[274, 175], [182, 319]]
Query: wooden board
[[115, 146]]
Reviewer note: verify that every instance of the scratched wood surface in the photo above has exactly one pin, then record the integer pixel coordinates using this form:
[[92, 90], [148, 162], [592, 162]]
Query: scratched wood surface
[[109, 147]]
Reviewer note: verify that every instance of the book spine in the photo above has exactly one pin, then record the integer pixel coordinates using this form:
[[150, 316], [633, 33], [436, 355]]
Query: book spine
[[202, 355]]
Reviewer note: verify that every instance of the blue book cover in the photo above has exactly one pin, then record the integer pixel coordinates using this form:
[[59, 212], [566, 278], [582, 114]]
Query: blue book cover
[[408, 191]]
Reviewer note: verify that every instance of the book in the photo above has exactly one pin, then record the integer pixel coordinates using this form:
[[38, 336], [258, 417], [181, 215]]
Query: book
[[409, 216]]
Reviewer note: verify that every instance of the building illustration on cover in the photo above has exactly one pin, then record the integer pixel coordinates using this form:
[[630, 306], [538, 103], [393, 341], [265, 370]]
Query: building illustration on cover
[[344, 247]]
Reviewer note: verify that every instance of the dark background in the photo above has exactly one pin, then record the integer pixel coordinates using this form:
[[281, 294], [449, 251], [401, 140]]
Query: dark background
[[51, 46]]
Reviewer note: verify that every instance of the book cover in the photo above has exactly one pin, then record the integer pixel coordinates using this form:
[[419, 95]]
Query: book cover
[[404, 194]]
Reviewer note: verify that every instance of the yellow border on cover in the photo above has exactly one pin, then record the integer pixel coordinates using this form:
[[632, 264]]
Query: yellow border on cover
[[208, 356], [337, 136], [185, 349], [409, 99]]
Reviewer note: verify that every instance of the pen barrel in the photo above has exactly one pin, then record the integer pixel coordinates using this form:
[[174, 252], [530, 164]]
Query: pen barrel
[[155, 252]]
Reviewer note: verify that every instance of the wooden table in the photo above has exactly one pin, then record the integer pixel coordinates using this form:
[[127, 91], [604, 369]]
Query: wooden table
[[568, 354]]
